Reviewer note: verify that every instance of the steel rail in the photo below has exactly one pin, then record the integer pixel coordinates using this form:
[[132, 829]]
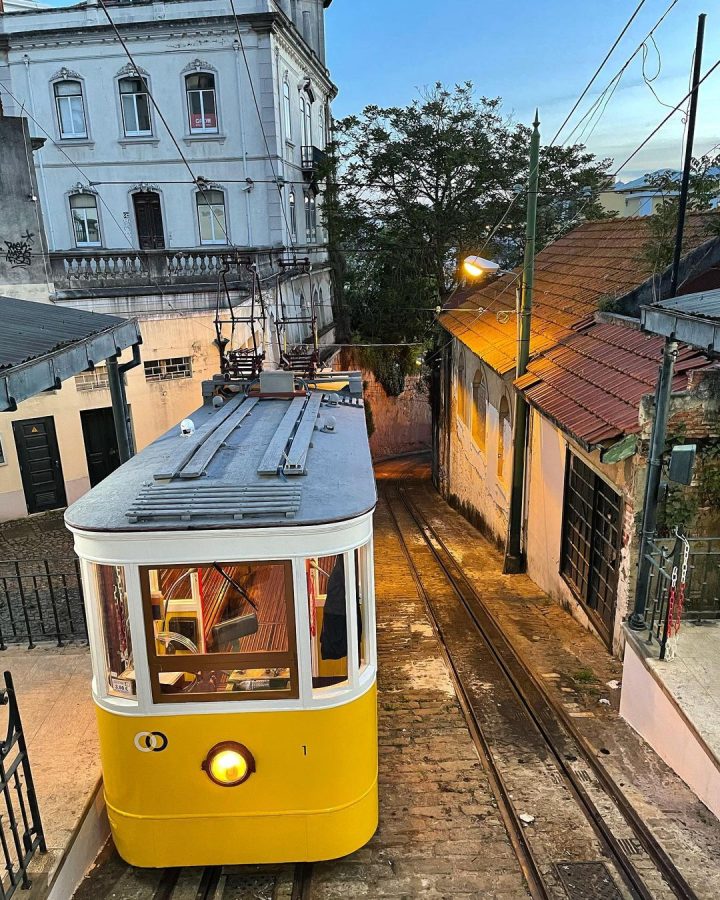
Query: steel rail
[[546, 715], [513, 826], [210, 880]]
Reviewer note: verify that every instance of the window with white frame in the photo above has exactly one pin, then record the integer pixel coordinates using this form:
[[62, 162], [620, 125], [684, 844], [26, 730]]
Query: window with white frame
[[306, 116], [86, 225], [293, 214], [211, 217], [287, 106], [201, 102], [70, 107], [310, 218], [135, 105], [321, 129]]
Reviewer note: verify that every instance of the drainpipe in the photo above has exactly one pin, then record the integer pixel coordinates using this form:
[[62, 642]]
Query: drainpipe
[[121, 413], [241, 120], [670, 352], [514, 556], [48, 218]]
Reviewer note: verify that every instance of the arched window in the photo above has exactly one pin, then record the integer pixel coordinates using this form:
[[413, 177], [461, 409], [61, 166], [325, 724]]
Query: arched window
[[86, 225], [504, 435], [287, 106], [202, 108], [70, 108], [461, 388], [310, 218], [479, 409], [135, 105], [211, 217], [322, 139], [293, 215]]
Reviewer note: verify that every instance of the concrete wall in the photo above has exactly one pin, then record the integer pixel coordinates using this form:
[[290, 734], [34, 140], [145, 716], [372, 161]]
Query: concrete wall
[[658, 718], [547, 460], [23, 269], [155, 406], [478, 484]]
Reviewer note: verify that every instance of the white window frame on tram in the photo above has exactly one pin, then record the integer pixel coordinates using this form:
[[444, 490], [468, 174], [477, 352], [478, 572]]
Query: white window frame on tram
[[145, 549]]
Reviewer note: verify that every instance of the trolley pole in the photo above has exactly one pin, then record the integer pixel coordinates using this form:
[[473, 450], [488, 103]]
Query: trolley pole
[[514, 556], [670, 352]]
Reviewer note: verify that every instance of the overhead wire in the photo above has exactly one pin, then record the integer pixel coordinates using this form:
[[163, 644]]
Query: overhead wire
[[514, 199]]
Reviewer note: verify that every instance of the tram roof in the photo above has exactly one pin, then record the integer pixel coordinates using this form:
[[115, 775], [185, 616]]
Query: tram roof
[[249, 463]]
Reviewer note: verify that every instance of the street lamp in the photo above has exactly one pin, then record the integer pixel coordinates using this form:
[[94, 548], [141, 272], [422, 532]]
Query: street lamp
[[475, 266]]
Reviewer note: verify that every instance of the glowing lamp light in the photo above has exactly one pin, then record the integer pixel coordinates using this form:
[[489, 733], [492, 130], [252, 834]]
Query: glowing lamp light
[[475, 266], [229, 764]]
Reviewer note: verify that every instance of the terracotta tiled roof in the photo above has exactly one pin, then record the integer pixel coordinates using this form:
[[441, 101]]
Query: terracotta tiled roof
[[597, 260], [592, 381]]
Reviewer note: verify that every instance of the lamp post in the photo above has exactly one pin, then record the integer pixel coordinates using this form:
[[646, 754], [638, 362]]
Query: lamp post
[[474, 266]]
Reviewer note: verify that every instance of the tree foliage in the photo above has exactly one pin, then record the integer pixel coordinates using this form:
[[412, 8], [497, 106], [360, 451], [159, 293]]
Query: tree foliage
[[703, 189], [419, 187]]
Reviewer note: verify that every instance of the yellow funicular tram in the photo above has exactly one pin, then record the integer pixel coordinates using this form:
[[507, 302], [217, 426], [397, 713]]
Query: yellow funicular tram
[[228, 573]]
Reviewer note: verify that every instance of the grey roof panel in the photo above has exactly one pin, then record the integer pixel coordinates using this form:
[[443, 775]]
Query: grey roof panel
[[338, 483], [31, 329]]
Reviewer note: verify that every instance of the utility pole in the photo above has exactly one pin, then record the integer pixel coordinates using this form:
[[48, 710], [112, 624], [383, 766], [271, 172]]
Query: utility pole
[[670, 351], [514, 556]]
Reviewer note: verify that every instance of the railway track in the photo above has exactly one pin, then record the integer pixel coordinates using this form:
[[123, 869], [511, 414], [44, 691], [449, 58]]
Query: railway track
[[583, 839], [236, 883], [114, 878]]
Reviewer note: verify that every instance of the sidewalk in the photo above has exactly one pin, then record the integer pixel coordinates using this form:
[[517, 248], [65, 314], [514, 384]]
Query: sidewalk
[[578, 671]]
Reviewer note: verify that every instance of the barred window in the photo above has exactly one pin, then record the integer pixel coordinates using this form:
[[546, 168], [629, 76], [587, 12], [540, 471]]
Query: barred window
[[168, 369], [97, 380]]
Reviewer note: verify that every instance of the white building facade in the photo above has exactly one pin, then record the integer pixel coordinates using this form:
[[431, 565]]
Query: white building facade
[[206, 142], [246, 107]]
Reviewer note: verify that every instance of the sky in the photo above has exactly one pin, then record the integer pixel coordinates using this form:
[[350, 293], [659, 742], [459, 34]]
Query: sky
[[533, 53]]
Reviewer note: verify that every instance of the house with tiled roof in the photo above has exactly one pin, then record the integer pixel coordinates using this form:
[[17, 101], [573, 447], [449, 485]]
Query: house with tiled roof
[[589, 383]]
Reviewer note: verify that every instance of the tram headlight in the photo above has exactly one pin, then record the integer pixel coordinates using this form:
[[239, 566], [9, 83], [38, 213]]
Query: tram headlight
[[229, 764]]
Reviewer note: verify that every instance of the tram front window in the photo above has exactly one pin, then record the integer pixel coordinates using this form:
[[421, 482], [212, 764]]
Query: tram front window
[[221, 631], [111, 593], [327, 600]]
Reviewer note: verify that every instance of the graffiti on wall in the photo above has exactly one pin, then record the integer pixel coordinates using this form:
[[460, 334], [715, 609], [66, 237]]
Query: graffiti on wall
[[19, 253]]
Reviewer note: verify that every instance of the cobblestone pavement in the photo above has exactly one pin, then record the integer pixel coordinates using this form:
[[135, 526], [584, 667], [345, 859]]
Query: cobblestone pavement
[[39, 586], [576, 669], [43, 536]]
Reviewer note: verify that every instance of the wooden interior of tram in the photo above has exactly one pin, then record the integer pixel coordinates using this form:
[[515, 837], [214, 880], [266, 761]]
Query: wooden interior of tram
[[272, 646]]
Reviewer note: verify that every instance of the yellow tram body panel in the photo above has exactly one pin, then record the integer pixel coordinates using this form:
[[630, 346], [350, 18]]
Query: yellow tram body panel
[[313, 795]]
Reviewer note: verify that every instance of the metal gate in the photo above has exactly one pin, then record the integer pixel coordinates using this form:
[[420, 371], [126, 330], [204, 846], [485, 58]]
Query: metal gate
[[21, 832]]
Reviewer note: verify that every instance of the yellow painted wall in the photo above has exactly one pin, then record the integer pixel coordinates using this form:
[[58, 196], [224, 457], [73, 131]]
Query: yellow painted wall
[[155, 406]]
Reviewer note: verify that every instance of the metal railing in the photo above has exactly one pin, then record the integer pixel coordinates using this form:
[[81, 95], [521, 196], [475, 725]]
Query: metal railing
[[700, 590], [21, 831], [41, 600]]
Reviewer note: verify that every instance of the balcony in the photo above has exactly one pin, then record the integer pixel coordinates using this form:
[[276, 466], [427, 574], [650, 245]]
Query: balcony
[[312, 162], [140, 271]]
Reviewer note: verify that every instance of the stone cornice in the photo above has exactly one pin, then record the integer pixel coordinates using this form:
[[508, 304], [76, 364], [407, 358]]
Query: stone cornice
[[262, 23]]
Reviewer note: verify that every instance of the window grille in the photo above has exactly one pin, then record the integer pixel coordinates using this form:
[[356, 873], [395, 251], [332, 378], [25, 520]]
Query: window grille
[[590, 555], [168, 369], [97, 380]]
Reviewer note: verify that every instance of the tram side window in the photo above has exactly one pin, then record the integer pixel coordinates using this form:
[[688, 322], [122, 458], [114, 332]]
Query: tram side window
[[329, 634], [112, 598], [221, 631]]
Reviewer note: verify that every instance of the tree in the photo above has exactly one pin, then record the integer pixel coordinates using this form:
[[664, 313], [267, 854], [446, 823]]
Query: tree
[[421, 186], [703, 189]]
